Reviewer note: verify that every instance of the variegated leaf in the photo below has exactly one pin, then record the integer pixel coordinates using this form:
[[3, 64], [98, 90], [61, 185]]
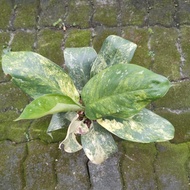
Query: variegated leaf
[[58, 121], [49, 104], [114, 50], [98, 144], [37, 75], [143, 127], [70, 142], [122, 91], [70, 115], [78, 62]]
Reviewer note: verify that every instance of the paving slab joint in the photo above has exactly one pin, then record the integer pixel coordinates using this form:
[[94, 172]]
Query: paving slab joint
[[34, 47], [12, 35], [182, 56], [39, 10], [119, 13], [27, 134], [12, 18], [88, 172], [149, 7], [120, 170], [55, 171], [66, 11], [23, 167], [151, 52], [63, 45], [188, 165], [176, 17], [182, 79], [92, 12], [154, 167]]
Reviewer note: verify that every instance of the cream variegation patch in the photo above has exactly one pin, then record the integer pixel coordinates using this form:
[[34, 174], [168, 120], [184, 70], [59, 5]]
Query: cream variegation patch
[[70, 142], [112, 125]]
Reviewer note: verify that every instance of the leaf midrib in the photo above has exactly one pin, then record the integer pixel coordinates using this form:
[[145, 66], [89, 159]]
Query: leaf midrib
[[101, 99]]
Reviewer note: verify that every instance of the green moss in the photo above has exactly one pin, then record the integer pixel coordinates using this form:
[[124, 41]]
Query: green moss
[[180, 122], [169, 166], [101, 35], [9, 115], [5, 13], [23, 41], [133, 13], [9, 129], [17, 131], [4, 39], [177, 97], [78, 38], [140, 37], [12, 97], [79, 13], [11, 165], [184, 15], [64, 167], [12, 101], [105, 14], [26, 14], [161, 12], [166, 60], [137, 168], [185, 43], [39, 170], [38, 130], [51, 11], [49, 45], [3, 134]]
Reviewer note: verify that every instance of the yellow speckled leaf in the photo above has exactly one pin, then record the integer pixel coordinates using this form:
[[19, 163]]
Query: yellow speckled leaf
[[114, 50], [78, 62], [98, 144], [122, 90], [143, 127], [37, 75]]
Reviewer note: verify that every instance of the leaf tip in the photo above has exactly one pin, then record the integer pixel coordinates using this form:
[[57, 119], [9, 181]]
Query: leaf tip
[[18, 119]]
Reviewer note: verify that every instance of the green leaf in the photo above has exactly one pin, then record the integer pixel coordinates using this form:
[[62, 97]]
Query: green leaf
[[70, 142], [143, 127], [98, 144], [60, 120], [114, 50], [37, 75], [49, 104], [57, 122], [78, 62], [122, 91]]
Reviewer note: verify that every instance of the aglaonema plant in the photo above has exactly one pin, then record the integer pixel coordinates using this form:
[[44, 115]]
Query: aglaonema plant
[[99, 94]]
